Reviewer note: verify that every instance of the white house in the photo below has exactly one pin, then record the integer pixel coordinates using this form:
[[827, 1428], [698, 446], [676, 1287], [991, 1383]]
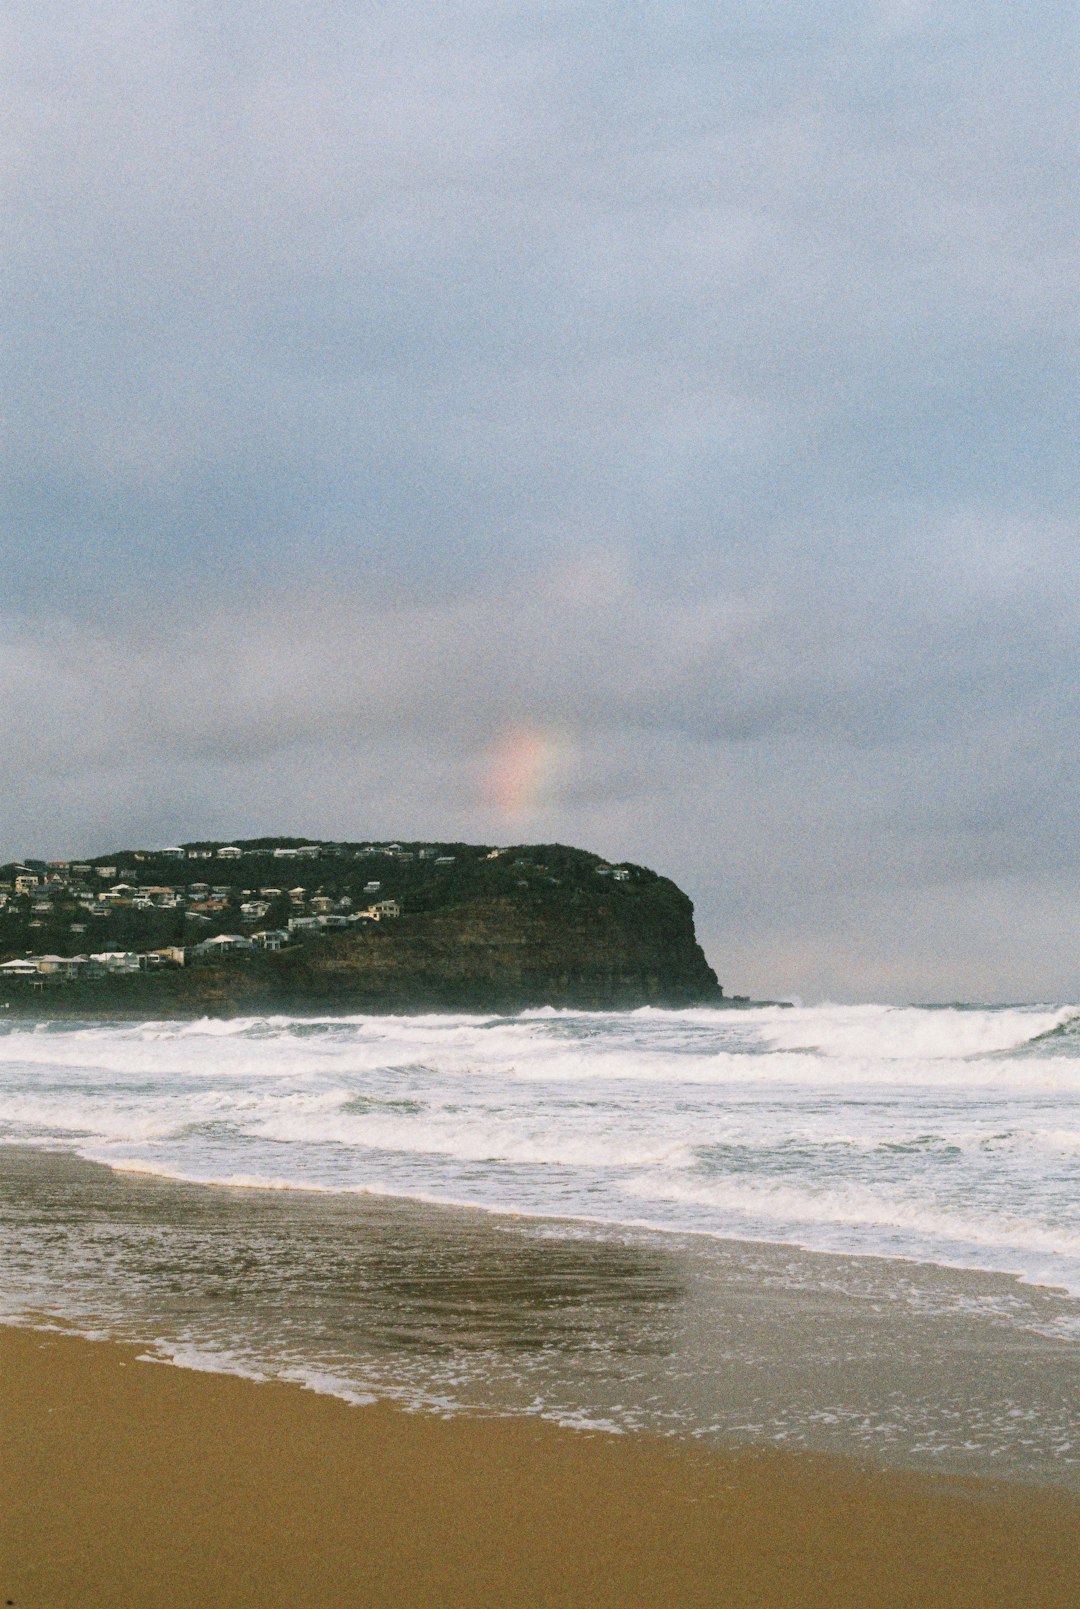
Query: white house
[[120, 961], [229, 852], [223, 944]]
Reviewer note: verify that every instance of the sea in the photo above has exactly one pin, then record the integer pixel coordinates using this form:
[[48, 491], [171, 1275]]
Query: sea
[[849, 1229]]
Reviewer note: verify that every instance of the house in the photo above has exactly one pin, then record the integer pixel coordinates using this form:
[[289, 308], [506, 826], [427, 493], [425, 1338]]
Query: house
[[67, 967], [310, 851], [223, 944], [106, 873], [253, 910], [372, 887], [229, 852], [26, 882], [298, 895], [273, 938], [322, 903], [19, 969], [620, 874], [445, 860], [386, 907], [303, 924], [174, 852], [172, 955], [332, 921], [117, 961]]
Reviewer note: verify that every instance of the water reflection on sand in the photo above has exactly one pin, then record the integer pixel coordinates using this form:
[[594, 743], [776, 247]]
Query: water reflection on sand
[[454, 1309]]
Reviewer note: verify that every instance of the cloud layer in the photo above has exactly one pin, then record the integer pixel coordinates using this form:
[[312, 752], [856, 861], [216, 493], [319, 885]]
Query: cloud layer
[[676, 405]]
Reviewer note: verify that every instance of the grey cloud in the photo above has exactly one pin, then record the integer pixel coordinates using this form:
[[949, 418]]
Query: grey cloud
[[695, 384]]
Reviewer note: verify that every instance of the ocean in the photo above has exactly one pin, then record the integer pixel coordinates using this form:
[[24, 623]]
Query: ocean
[[848, 1228]]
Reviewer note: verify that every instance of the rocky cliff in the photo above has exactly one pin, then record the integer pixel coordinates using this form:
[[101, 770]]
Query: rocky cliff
[[532, 926]]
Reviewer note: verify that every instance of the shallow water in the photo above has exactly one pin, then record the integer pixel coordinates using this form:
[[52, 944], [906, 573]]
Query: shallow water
[[783, 1226]]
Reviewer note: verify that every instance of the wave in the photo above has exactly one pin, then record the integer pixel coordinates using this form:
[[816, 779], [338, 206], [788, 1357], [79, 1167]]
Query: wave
[[913, 1033]]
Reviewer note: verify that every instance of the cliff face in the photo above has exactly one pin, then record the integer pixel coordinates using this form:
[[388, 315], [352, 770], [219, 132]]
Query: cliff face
[[496, 953]]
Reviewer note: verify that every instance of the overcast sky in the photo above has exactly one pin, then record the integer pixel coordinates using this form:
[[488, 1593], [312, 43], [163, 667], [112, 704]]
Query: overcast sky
[[651, 427]]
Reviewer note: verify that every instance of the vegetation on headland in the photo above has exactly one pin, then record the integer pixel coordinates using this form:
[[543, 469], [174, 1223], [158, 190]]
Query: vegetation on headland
[[346, 927]]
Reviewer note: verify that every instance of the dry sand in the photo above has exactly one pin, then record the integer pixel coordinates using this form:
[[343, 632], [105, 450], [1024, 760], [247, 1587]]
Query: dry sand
[[127, 1484]]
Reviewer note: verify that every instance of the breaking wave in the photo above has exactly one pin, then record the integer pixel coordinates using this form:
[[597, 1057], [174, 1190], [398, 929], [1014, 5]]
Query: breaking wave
[[946, 1134]]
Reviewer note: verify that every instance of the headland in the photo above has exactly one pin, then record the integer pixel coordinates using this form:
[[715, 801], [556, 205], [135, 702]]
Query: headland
[[276, 924]]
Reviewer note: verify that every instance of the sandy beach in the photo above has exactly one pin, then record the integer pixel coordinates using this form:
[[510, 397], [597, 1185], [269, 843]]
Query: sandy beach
[[124, 1483]]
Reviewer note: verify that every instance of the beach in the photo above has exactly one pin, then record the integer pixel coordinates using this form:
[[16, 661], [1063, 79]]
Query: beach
[[130, 1483], [567, 1309]]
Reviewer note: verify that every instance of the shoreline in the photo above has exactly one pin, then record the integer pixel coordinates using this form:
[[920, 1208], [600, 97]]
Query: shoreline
[[483, 1313], [126, 1482]]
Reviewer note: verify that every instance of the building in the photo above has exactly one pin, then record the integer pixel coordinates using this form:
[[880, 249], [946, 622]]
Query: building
[[223, 944], [172, 955], [229, 852], [303, 924], [117, 961]]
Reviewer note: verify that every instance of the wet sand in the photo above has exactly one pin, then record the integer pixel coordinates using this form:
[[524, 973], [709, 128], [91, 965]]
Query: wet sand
[[142, 1486]]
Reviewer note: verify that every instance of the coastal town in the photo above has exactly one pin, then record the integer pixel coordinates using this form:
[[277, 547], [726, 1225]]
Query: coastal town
[[184, 905]]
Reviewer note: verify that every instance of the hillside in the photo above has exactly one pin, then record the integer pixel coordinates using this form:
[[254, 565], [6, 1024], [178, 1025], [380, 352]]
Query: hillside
[[347, 927]]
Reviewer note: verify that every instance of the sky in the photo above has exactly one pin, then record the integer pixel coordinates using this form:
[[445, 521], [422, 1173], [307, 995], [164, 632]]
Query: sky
[[647, 427]]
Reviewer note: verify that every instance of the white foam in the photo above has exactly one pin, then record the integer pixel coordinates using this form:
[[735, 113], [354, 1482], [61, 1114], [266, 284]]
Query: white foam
[[889, 1128]]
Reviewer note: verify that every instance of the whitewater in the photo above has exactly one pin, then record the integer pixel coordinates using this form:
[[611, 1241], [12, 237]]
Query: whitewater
[[947, 1135]]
